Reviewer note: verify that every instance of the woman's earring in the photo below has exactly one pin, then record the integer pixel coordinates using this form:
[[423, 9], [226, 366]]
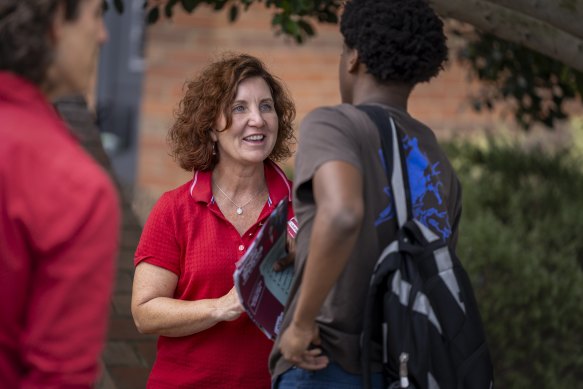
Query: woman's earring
[[215, 148]]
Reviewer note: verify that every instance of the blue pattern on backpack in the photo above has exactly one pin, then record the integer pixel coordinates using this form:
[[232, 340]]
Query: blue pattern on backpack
[[424, 182]]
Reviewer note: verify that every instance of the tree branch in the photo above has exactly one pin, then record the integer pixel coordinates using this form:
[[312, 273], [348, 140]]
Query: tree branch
[[515, 27], [563, 15]]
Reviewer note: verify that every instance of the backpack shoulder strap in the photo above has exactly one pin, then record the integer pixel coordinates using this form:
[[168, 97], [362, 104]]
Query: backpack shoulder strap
[[397, 178]]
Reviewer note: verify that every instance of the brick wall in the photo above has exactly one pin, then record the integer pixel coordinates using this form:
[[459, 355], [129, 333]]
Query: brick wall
[[178, 49]]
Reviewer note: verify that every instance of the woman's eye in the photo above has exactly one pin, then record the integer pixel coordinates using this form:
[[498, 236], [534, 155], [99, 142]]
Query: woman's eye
[[238, 108], [266, 107]]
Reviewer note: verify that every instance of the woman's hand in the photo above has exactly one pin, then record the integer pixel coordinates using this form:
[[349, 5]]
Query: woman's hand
[[229, 307], [156, 311]]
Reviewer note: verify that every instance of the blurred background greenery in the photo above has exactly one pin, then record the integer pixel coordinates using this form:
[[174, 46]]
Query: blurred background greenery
[[520, 241]]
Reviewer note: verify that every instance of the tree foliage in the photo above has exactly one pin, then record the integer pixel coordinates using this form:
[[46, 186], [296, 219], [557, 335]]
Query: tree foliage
[[501, 53], [292, 18], [536, 86]]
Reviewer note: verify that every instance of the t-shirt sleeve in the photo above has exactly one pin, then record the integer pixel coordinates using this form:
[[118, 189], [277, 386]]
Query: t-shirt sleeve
[[326, 134], [159, 244]]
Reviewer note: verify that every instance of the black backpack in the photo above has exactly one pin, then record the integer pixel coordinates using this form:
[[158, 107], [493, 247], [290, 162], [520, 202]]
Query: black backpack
[[421, 306]]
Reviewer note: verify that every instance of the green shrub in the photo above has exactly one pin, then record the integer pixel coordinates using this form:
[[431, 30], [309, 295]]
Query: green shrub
[[521, 242]]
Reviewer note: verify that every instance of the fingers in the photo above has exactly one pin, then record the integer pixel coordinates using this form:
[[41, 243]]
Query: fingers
[[297, 345], [313, 359], [290, 258], [284, 262]]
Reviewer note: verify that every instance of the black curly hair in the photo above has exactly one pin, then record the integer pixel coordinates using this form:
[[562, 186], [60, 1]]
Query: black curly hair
[[397, 40]]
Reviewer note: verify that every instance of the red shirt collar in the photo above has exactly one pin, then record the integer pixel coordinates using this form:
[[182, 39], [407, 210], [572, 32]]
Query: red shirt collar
[[277, 183]]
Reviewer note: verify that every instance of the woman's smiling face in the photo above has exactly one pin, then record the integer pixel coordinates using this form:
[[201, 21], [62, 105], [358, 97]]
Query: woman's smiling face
[[253, 132]]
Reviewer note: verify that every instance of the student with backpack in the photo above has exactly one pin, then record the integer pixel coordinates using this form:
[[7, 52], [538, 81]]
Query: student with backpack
[[344, 201]]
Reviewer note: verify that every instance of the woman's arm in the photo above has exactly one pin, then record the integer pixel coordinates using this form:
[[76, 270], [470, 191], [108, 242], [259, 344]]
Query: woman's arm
[[155, 311]]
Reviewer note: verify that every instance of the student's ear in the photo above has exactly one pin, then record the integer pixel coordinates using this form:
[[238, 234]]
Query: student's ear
[[353, 61]]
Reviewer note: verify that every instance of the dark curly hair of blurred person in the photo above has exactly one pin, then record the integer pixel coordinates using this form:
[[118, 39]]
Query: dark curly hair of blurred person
[[25, 42], [209, 95], [397, 40]]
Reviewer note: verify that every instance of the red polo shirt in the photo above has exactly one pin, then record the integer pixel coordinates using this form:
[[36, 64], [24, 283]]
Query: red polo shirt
[[58, 239], [187, 234]]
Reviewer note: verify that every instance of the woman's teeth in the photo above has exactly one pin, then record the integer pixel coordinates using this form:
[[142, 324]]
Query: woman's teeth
[[255, 137]]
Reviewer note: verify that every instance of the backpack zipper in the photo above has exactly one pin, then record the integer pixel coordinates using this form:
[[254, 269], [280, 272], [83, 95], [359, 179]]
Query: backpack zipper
[[403, 371]]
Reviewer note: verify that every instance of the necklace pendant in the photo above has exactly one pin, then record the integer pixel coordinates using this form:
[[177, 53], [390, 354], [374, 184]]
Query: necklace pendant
[[239, 210]]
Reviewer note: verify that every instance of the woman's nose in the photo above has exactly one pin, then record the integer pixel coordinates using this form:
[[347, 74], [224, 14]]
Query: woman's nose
[[256, 117]]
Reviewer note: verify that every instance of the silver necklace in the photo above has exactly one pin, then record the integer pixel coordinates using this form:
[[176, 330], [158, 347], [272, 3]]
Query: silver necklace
[[239, 207]]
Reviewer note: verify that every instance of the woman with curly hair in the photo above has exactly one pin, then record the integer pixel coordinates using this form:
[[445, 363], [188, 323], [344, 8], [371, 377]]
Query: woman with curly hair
[[233, 123], [341, 195]]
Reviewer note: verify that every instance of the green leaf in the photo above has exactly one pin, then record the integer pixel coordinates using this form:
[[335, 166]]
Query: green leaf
[[277, 20], [153, 15], [247, 4], [291, 27], [168, 10], [332, 18], [579, 82], [189, 5], [233, 13], [284, 5], [306, 5], [219, 4], [307, 27]]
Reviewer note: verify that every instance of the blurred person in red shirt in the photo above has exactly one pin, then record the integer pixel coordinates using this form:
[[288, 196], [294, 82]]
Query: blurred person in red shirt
[[59, 215]]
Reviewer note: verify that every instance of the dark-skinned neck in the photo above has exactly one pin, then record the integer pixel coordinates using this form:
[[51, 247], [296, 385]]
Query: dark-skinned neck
[[393, 94]]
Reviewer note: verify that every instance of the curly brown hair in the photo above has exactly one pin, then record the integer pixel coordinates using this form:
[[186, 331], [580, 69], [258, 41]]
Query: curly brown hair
[[26, 46], [211, 94]]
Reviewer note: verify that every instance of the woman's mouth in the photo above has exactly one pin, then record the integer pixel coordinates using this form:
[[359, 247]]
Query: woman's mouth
[[254, 138]]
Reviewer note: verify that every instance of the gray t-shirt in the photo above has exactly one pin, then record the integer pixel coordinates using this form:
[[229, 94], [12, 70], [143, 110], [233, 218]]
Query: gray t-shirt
[[344, 133]]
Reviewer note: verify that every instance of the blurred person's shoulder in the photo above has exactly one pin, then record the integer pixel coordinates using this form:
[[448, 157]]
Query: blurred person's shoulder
[[39, 151]]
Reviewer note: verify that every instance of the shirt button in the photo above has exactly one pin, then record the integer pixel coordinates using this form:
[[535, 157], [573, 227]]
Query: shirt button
[[241, 247]]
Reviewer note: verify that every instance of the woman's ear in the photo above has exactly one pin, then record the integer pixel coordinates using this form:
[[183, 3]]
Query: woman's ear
[[213, 135]]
